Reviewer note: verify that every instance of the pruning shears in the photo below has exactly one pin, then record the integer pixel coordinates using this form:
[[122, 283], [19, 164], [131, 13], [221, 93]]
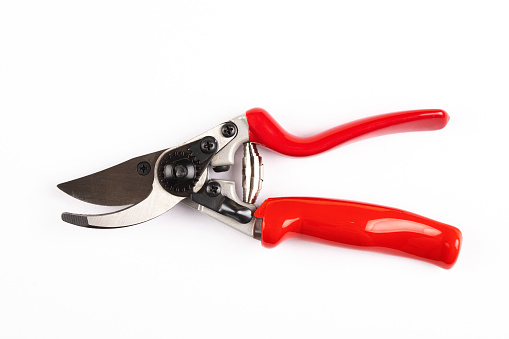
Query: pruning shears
[[152, 184]]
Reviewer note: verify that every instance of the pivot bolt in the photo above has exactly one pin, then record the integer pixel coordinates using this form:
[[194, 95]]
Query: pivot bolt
[[180, 171], [208, 145], [228, 130], [213, 189], [143, 168]]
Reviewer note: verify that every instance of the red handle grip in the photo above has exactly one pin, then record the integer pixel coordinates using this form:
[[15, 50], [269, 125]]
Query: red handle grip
[[264, 130], [359, 224]]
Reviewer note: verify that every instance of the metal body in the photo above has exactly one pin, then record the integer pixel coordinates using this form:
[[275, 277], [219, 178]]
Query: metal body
[[228, 189], [108, 187], [150, 199]]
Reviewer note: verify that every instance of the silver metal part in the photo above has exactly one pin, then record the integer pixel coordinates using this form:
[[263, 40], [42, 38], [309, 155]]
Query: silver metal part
[[227, 146], [252, 173], [158, 202], [228, 190], [226, 156], [120, 185], [258, 228]]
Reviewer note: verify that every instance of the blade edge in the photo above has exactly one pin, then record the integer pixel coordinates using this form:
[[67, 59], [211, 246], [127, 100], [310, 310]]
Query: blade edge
[[119, 185]]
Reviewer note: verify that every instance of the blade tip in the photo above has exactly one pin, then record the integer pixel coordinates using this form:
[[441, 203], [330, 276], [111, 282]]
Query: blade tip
[[61, 187], [75, 219]]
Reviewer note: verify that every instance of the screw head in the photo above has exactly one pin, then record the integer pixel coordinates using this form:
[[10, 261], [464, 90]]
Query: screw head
[[143, 168], [228, 130], [208, 145], [213, 189], [180, 171]]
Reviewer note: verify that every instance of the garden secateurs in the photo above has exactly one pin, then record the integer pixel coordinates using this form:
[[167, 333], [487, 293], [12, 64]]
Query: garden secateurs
[[153, 183]]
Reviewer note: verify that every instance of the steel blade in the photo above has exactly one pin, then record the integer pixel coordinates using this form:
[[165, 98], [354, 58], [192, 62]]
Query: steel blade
[[119, 185], [158, 202]]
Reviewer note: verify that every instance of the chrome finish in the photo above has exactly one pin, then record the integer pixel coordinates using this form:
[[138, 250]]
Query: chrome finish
[[252, 173], [158, 202], [121, 185], [226, 156], [258, 228], [227, 189], [227, 146]]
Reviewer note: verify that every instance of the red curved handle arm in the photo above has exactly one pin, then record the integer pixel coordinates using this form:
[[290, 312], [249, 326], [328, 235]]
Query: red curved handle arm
[[359, 224], [264, 130]]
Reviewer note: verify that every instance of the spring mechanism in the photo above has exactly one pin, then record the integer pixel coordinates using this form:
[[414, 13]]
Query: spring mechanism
[[252, 173]]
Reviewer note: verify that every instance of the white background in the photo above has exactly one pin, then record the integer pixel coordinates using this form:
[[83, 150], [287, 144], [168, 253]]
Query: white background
[[86, 85]]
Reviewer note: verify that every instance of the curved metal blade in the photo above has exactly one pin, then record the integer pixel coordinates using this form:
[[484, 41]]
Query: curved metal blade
[[158, 202], [119, 185]]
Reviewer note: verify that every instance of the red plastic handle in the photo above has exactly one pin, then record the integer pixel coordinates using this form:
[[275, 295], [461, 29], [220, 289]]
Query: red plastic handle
[[360, 224], [264, 130]]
